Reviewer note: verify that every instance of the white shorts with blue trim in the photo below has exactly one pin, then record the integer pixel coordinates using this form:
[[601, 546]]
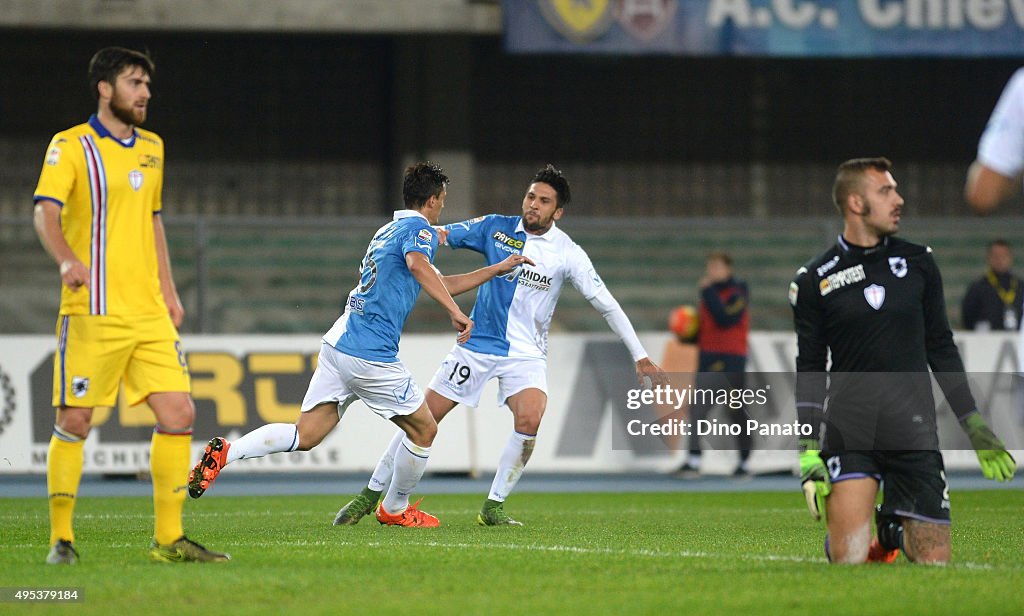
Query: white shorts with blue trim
[[388, 389], [463, 374]]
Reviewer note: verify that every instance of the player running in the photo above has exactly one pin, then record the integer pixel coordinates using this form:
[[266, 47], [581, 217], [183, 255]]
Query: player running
[[359, 355], [512, 315], [875, 302]]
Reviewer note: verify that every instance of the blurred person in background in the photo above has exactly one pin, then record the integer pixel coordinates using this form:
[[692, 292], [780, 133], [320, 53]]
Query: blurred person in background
[[994, 301], [723, 330]]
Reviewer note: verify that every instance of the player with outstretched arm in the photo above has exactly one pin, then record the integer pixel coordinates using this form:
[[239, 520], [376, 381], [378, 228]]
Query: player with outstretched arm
[[359, 354], [512, 315]]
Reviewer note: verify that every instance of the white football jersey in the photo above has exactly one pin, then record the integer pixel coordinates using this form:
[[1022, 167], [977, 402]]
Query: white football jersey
[[1002, 144]]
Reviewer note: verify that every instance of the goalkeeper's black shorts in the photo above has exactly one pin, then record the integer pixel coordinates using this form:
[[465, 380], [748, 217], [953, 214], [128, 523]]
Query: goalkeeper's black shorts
[[913, 482]]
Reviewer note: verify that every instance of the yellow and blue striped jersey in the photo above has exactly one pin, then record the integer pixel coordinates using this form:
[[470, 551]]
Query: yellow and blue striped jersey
[[109, 190]]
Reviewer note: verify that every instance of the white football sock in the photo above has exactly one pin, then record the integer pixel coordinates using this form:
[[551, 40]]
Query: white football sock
[[381, 478], [410, 462], [510, 466], [271, 438], [694, 461]]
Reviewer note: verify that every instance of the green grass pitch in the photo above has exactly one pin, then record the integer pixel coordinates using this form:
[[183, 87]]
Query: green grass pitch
[[662, 553]]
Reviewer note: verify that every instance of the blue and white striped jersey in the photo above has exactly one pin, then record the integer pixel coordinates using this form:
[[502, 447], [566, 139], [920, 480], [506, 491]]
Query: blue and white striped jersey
[[377, 308], [513, 313]]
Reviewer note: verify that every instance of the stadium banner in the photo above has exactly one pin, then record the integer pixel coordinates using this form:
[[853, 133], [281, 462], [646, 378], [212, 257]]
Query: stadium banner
[[770, 28], [242, 382]]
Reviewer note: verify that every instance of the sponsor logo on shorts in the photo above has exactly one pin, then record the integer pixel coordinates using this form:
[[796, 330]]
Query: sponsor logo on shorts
[[835, 468], [405, 391]]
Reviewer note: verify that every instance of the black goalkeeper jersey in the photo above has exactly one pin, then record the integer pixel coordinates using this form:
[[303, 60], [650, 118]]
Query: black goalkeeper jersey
[[881, 314]]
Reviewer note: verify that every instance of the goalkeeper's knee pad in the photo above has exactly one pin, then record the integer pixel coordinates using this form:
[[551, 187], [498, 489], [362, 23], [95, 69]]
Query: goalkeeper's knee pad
[[890, 530]]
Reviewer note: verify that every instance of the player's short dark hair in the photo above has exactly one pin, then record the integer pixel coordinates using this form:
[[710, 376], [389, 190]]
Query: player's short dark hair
[[998, 242], [850, 174], [108, 63], [553, 177], [421, 182], [719, 255]]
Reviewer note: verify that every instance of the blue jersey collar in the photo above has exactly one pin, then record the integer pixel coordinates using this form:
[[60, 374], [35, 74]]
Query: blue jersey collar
[[102, 131]]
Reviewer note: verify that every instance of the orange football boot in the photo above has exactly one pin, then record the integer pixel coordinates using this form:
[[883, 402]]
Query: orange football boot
[[205, 472], [412, 516], [878, 554]]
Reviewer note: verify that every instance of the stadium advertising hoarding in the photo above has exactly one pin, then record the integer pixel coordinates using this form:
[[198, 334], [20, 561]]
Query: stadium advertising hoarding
[[799, 28], [592, 424]]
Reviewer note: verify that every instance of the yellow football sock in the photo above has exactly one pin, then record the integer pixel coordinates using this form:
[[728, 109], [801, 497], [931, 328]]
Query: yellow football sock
[[64, 461], [169, 465]]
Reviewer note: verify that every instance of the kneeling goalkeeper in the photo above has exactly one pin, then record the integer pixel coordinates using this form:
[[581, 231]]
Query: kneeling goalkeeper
[[875, 303]]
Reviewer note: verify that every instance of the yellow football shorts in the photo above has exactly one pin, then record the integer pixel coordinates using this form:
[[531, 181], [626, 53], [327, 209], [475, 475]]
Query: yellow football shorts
[[95, 352]]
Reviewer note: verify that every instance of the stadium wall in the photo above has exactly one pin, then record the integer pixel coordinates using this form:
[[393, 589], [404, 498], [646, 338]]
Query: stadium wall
[[241, 382]]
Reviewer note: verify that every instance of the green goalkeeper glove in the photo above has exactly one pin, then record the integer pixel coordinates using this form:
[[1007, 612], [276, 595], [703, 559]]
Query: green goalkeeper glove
[[996, 462], [814, 478]]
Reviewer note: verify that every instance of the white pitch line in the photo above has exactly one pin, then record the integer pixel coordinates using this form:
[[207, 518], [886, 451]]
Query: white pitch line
[[644, 552], [565, 549], [572, 549]]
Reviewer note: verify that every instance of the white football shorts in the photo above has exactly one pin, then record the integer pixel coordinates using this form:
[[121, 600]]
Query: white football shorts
[[463, 374], [387, 388]]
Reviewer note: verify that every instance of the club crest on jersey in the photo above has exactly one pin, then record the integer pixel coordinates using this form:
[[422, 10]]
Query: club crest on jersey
[[841, 278], [135, 179], [898, 265], [425, 235], [875, 295]]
